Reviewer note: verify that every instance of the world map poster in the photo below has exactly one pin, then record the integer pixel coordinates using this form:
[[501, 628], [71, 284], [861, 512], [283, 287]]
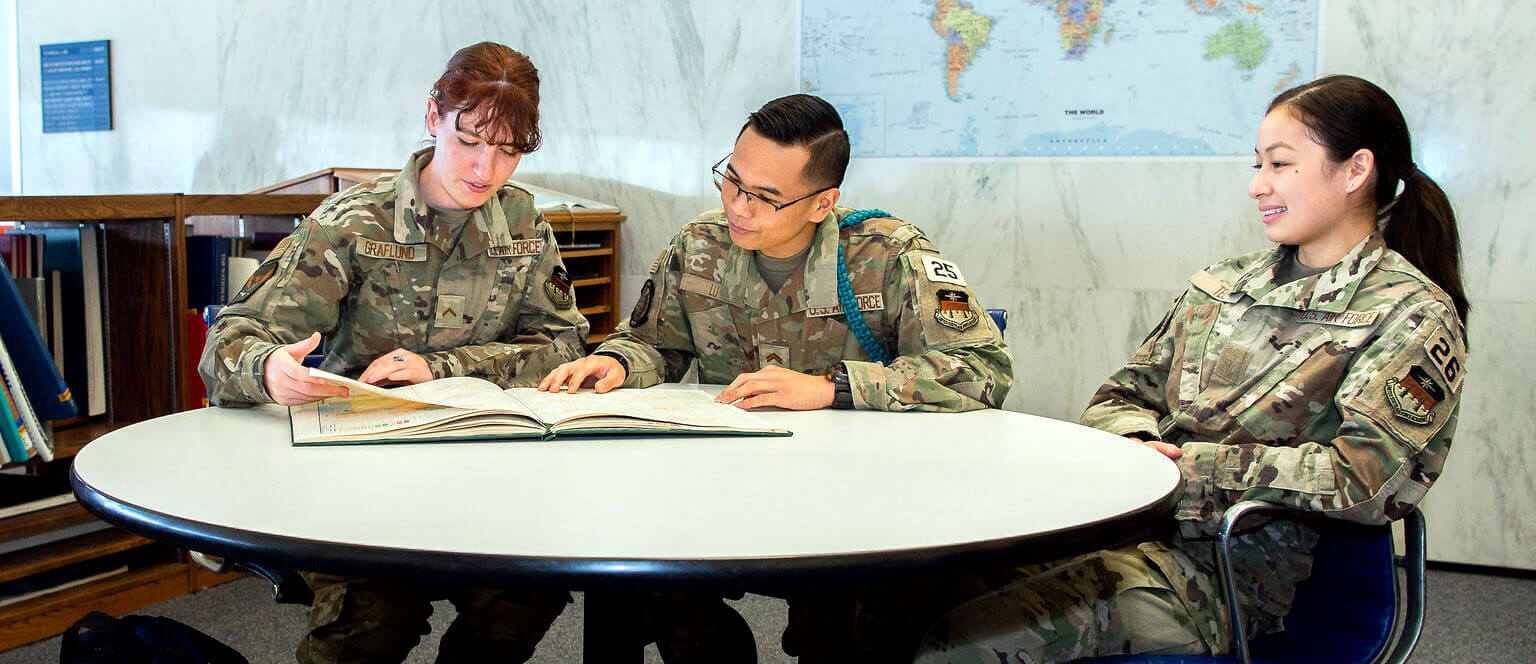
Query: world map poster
[[1045, 78]]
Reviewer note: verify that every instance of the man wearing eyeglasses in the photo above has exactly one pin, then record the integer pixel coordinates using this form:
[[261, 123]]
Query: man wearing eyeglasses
[[801, 304], [750, 292]]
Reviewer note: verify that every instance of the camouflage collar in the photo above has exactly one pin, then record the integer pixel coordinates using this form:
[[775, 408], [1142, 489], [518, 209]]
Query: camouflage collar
[[1330, 291], [411, 209], [821, 264]]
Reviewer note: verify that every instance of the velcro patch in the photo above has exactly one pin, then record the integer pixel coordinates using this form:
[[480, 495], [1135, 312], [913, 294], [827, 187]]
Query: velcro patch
[[1442, 354], [1212, 286], [414, 253], [524, 247], [642, 311], [1414, 395], [955, 310], [261, 276], [558, 288], [450, 311], [772, 355], [697, 284], [938, 269], [866, 302], [1342, 319]]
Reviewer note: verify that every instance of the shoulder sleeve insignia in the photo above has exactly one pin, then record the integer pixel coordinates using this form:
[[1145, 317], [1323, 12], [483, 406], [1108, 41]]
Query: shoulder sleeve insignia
[[642, 311], [955, 310], [1413, 395], [558, 288]]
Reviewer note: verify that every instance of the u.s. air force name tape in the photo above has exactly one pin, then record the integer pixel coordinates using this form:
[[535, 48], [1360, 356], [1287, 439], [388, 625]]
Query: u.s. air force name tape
[[414, 253]]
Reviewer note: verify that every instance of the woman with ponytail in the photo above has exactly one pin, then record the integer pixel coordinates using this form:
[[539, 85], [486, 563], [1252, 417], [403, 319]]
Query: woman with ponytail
[[1323, 375]]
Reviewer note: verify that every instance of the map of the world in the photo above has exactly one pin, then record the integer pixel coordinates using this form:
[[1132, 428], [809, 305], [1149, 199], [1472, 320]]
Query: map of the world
[[1040, 78]]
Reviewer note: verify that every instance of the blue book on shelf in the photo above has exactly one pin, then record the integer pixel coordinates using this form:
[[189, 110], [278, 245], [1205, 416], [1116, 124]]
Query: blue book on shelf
[[40, 379]]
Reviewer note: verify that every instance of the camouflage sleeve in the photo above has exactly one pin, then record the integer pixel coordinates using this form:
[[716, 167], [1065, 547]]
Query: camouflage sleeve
[[1132, 400], [950, 355], [549, 331], [295, 292], [1399, 404], [656, 341]]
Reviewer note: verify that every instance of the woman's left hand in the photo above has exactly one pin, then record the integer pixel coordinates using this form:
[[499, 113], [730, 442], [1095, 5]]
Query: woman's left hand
[[397, 366]]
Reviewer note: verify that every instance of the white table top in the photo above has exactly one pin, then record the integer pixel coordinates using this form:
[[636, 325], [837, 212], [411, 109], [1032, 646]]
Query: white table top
[[847, 486]]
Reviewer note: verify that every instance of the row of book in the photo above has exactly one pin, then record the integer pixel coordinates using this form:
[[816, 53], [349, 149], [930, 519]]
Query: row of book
[[50, 305]]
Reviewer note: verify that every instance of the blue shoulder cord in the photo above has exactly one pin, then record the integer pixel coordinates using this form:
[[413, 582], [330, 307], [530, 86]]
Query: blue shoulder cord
[[851, 310]]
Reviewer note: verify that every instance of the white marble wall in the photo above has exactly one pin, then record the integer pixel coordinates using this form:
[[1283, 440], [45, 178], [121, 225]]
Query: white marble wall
[[640, 97]]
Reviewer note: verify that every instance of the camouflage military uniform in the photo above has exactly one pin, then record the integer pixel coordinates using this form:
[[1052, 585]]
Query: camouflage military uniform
[[1336, 393], [706, 302], [371, 272]]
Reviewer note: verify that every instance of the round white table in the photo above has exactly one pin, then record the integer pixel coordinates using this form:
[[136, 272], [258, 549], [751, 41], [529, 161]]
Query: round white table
[[851, 494]]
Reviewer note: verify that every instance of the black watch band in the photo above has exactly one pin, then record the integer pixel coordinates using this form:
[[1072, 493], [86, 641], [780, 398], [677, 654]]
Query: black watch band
[[622, 362], [842, 392]]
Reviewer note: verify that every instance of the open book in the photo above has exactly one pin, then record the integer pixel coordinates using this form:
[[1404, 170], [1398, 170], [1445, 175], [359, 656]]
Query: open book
[[462, 408]]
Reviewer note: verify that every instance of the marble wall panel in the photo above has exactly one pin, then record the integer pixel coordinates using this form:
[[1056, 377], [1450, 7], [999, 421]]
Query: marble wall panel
[[639, 98]]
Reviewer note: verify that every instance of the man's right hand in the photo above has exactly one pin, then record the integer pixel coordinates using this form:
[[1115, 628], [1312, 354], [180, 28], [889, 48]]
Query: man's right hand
[[606, 371], [288, 381]]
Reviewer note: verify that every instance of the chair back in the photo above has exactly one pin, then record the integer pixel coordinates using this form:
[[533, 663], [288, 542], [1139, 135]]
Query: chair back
[[1345, 611], [1000, 317]]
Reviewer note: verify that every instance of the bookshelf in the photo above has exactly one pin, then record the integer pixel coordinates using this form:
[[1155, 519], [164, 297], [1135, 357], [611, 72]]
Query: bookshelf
[[144, 298]]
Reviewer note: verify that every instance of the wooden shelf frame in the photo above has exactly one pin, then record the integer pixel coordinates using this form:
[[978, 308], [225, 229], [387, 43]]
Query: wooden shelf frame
[[142, 242]]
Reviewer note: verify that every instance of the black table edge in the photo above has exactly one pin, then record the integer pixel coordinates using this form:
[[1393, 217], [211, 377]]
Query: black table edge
[[621, 574]]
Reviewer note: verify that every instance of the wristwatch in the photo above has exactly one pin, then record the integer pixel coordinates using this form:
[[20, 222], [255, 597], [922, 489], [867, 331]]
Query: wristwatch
[[842, 393], [622, 362]]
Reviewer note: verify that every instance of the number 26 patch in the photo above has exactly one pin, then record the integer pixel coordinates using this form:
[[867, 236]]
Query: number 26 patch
[[1442, 353]]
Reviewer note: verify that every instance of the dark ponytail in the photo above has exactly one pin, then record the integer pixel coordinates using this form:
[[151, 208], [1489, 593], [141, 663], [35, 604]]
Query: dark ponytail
[[1347, 113]]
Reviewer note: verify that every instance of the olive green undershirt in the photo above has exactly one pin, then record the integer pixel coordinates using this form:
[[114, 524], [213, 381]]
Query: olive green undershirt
[[776, 271], [1291, 269]]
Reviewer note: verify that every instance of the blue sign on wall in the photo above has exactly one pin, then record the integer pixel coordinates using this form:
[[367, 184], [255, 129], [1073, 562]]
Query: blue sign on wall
[[77, 86]]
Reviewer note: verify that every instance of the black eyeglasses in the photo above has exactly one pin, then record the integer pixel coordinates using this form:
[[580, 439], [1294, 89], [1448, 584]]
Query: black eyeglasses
[[732, 187]]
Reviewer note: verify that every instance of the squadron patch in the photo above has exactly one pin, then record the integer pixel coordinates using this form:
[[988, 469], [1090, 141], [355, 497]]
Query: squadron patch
[[261, 276], [1413, 395], [558, 288], [642, 311], [955, 310]]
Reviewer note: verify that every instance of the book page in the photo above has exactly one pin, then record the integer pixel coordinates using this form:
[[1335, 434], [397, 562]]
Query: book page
[[374, 417], [464, 392], [666, 408]]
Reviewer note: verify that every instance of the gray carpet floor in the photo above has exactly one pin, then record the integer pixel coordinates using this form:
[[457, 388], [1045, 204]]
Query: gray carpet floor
[[1471, 618]]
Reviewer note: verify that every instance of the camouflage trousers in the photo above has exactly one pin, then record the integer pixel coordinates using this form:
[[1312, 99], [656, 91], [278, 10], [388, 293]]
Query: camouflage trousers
[[1113, 602], [1102, 603], [359, 620]]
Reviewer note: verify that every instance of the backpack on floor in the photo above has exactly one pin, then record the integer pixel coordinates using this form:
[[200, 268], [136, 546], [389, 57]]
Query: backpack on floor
[[101, 639]]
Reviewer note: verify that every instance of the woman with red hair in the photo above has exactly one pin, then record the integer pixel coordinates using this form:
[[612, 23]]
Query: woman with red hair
[[442, 270]]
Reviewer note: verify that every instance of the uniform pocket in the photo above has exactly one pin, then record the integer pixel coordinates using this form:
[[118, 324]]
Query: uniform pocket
[[1284, 398]]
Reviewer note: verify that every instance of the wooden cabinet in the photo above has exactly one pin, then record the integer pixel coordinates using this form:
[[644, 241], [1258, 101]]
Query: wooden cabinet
[[144, 301]]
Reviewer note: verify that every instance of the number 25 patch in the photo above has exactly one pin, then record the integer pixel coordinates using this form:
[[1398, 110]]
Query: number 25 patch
[[938, 269]]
